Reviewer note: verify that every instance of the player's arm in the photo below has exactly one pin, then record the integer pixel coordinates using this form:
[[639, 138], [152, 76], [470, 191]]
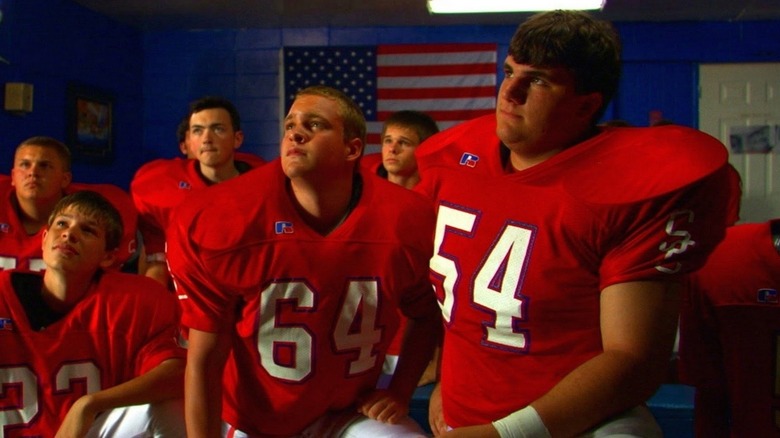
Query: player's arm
[[431, 372], [421, 337], [436, 413], [638, 324], [206, 356], [153, 262], [163, 382]]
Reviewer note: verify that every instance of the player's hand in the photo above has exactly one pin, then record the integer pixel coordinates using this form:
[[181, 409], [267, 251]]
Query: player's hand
[[481, 431], [381, 405], [78, 420], [436, 412]]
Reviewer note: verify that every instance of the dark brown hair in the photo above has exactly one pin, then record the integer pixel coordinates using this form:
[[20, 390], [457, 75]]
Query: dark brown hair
[[574, 40]]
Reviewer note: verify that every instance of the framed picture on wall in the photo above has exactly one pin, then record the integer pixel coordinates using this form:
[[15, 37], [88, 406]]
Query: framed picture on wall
[[90, 124]]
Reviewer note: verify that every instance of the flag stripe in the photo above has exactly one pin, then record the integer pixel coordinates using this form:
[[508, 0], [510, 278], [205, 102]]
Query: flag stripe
[[433, 59], [481, 103], [387, 49], [437, 70], [444, 115], [467, 82], [435, 93]]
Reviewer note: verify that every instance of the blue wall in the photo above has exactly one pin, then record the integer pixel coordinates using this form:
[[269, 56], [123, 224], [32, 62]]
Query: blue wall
[[153, 75], [660, 71], [51, 43], [243, 65]]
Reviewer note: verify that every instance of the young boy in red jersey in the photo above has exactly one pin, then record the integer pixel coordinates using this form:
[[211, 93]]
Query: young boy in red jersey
[[560, 246], [210, 137], [41, 176], [80, 340], [291, 307]]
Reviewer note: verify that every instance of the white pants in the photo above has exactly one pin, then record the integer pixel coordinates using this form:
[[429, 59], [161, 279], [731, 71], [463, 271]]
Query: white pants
[[347, 425], [637, 422], [634, 423], [157, 420]]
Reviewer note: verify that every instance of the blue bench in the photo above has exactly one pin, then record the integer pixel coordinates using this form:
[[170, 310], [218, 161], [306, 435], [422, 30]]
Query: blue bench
[[672, 406]]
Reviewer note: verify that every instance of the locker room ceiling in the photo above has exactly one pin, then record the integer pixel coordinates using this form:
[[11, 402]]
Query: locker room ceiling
[[209, 14]]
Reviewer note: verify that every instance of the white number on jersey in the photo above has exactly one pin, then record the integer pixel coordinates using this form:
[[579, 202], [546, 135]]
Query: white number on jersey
[[360, 304], [36, 265], [681, 239], [443, 265], [24, 378], [7, 263], [359, 293], [497, 282]]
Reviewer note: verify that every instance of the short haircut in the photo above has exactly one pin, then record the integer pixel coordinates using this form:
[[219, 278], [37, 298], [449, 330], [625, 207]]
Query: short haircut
[[352, 116], [182, 128], [421, 123], [574, 40], [49, 143], [211, 102], [96, 206]]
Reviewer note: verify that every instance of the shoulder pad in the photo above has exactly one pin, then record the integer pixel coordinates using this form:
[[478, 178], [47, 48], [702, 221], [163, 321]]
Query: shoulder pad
[[251, 159], [369, 163], [632, 164]]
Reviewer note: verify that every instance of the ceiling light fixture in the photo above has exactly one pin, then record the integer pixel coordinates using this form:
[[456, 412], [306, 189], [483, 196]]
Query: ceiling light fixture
[[488, 6]]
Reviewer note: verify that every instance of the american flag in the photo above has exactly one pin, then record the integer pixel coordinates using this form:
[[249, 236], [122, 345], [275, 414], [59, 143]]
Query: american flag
[[450, 82]]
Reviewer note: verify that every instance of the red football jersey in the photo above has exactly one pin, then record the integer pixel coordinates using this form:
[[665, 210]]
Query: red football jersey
[[18, 250], [370, 163], [520, 258], [313, 314], [730, 336], [123, 327], [160, 186]]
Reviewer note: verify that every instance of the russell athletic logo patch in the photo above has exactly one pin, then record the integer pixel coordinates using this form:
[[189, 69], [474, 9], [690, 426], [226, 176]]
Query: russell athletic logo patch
[[283, 227], [468, 159]]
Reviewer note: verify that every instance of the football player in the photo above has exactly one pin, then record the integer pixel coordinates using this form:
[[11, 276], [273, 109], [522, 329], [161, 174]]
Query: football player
[[559, 245], [292, 304], [80, 340]]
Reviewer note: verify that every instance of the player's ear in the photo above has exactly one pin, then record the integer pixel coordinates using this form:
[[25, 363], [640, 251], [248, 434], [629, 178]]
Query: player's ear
[[239, 137], [589, 104], [109, 258], [66, 179], [43, 237], [354, 149]]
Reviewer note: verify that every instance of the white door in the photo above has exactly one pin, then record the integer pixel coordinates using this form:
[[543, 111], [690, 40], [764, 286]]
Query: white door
[[739, 104]]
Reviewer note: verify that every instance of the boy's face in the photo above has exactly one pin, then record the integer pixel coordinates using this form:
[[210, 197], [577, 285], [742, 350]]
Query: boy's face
[[398, 146], [75, 242], [39, 173], [538, 111], [212, 138], [313, 139]]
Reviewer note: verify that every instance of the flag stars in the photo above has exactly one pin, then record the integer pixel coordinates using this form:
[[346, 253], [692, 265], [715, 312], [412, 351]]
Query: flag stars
[[350, 70]]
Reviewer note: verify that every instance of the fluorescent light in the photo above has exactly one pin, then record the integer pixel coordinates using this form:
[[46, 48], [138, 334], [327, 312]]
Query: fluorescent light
[[487, 6]]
